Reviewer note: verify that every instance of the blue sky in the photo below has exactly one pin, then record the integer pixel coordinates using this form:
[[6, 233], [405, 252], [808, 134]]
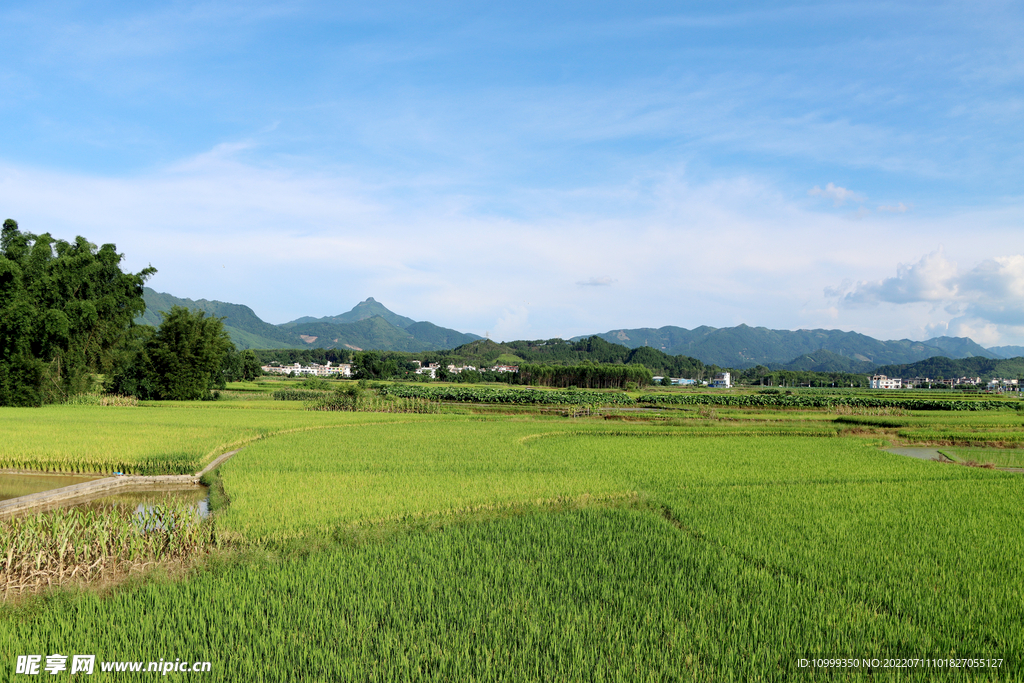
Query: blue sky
[[533, 170]]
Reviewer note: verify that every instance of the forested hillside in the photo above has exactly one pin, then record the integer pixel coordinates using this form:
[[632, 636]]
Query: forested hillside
[[485, 352], [369, 325], [743, 346], [668, 351], [361, 311], [940, 367]]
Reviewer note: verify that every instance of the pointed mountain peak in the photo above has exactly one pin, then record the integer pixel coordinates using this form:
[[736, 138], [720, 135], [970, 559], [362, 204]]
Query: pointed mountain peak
[[361, 311]]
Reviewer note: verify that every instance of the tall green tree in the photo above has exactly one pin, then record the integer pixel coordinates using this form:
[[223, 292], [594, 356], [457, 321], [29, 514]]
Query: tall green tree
[[251, 368], [132, 374], [374, 365], [240, 366], [231, 366], [65, 308], [182, 360], [186, 354]]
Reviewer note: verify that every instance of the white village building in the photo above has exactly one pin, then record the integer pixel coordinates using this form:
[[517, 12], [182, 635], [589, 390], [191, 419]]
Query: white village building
[[883, 382]]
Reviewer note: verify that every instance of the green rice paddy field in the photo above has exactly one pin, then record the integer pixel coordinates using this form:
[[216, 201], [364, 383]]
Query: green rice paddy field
[[673, 546]]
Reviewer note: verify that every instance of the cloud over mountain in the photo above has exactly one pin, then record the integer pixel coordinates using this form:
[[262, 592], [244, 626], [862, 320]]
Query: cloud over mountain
[[983, 299]]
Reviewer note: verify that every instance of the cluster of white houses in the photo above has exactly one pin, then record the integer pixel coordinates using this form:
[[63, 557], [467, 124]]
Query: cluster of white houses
[[722, 380], [343, 369], [995, 384], [432, 368]]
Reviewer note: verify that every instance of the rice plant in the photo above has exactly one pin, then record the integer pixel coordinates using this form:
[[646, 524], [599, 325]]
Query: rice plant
[[171, 438], [443, 547]]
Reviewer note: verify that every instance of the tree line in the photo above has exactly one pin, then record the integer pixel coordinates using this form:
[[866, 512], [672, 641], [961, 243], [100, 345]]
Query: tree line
[[762, 376], [557, 352], [184, 358], [66, 318], [65, 310], [584, 376]]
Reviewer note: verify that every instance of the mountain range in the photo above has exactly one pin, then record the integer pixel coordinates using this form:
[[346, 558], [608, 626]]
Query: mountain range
[[819, 350], [370, 325]]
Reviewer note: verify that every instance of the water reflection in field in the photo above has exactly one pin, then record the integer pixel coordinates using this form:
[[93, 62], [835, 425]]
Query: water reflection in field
[[17, 484], [919, 452], [197, 496]]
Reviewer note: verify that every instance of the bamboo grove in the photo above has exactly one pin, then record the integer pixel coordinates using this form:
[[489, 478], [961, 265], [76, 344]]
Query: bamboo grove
[[584, 376]]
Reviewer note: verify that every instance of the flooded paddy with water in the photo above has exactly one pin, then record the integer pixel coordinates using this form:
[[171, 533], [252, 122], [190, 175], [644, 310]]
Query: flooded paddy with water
[[17, 484]]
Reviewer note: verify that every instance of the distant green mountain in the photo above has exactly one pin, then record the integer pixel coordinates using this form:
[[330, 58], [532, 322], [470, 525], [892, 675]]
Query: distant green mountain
[[744, 346], [245, 328], [962, 347], [370, 325], [825, 361], [378, 333], [1007, 351], [361, 311], [439, 337], [367, 326], [484, 352]]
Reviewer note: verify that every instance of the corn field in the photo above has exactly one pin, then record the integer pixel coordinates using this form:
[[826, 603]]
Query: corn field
[[78, 545], [375, 404]]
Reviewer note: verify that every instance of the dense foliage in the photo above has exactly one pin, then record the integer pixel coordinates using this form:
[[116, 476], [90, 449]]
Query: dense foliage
[[561, 352], [587, 375], [355, 399], [182, 360], [243, 366], [684, 398], [558, 353], [64, 309], [763, 376], [377, 365]]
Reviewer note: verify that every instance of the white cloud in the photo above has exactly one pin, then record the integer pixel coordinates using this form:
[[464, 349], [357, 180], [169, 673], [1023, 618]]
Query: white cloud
[[597, 282], [985, 333], [838, 195], [296, 239], [987, 300], [995, 290], [933, 278], [899, 208], [513, 324]]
